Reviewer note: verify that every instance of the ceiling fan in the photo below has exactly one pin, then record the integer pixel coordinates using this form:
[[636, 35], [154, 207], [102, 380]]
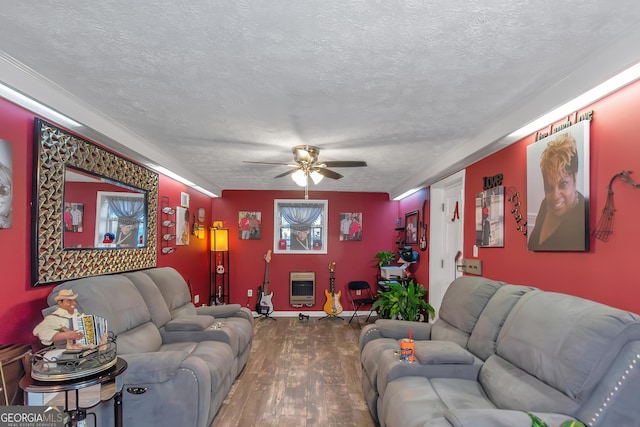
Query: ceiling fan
[[307, 166]]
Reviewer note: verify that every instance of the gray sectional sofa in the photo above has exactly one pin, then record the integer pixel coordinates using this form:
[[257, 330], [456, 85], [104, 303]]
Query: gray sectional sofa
[[186, 358], [498, 354]]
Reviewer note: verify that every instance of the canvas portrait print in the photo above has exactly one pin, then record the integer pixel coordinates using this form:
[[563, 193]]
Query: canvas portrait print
[[6, 184], [350, 226], [490, 218], [183, 231], [249, 225], [558, 191]]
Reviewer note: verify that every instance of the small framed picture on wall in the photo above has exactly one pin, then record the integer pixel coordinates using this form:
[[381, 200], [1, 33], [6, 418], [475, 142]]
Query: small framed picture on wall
[[411, 220]]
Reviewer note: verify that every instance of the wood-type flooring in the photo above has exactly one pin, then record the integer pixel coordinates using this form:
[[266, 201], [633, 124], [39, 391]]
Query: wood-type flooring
[[300, 373]]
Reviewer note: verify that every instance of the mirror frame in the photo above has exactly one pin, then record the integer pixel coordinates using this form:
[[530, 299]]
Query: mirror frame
[[54, 149]]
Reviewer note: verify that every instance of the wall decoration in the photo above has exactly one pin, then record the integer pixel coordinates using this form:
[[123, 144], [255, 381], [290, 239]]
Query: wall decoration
[[55, 152], [182, 226], [490, 218], [411, 221], [249, 225], [6, 184], [558, 190], [513, 196], [300, 226], [73, 214], [184, 200], [201, 214], [350, 226]]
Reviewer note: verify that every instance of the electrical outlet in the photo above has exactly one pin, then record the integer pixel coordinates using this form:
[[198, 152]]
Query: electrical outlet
[[358, 292], [196, 299], [250, 292]]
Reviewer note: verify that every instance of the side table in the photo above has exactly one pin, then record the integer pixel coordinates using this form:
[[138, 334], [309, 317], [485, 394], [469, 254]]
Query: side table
[[34, 391]]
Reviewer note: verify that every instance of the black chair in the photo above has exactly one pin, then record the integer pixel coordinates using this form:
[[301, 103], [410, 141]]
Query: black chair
[[365, 297]]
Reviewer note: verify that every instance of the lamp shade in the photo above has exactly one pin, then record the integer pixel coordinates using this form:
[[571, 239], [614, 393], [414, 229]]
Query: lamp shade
[[300, 177], [316, 177], [219, 239]]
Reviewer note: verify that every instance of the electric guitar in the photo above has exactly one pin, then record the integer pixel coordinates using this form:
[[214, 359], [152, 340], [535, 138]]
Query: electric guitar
[[423, 229], [332, 307], [264, 305]]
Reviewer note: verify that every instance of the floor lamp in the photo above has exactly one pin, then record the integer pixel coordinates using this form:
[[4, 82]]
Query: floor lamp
[[219, 266]]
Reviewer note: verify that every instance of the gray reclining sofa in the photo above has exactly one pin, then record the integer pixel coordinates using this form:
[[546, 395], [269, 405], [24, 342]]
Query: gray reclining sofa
[[186, 358], [499, 354]]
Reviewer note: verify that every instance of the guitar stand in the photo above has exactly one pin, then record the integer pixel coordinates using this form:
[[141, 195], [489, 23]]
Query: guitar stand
[[331, 316], [265, 316]]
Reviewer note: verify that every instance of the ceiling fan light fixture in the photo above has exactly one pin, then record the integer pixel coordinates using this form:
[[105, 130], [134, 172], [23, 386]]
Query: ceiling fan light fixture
[[316, 177], [300, 177]]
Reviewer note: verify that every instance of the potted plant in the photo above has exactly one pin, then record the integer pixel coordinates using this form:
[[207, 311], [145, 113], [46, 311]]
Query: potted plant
[[403, 302], [385, 258]]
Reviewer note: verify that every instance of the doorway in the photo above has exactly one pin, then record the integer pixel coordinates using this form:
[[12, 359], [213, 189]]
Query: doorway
[[446, 236]]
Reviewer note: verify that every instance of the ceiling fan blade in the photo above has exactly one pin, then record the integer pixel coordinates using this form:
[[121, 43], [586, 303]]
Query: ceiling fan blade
[[345, 164], [268, 163], [289, 172], [328, 173]]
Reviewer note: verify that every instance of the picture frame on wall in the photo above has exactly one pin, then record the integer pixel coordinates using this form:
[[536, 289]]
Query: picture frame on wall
[[300, 226], [411, 221], [350, 226], [184, 200], [490, 218], [183, 230], [558, 190], [6, 184], [249, 225]]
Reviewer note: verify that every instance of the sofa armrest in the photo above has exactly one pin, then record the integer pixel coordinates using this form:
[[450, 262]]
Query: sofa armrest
[[502, 418], [399, 329], [441, 352], [368, 333], [226, 310], [150, 368], [190, 323]]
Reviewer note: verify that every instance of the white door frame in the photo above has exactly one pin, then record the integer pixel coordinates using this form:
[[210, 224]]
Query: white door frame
[[441, 268]]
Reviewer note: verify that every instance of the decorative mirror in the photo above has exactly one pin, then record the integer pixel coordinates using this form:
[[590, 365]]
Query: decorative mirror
[[93, 211]]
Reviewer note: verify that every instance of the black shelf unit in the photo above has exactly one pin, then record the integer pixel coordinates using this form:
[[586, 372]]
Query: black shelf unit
[[219, 291]]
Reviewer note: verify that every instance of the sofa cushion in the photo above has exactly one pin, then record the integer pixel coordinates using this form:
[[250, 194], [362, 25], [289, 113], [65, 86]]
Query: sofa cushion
[[441, 352], [571, 358], [113, 297], [172, 287], [160, 314], [482, 341], [461, 307]]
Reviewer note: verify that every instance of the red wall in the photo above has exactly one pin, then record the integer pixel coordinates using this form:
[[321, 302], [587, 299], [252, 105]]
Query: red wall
[[354, 259], [21, 304], [607, 272]]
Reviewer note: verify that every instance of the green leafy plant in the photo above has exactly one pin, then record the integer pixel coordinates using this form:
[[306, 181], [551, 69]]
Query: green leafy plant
[[385, 258], [537, 422], [403, 302]]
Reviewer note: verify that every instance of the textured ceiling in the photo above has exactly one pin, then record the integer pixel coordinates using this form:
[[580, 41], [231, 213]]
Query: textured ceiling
[[417, 89]]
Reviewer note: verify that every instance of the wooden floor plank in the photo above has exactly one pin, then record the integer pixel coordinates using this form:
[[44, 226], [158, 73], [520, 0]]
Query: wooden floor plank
[[300, 373]]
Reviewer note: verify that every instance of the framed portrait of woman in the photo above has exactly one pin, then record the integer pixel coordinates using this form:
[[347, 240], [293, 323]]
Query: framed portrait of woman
[[558, 190]]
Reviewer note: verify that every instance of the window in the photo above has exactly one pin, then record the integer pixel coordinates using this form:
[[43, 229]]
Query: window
[[123, 215], [300, 226]]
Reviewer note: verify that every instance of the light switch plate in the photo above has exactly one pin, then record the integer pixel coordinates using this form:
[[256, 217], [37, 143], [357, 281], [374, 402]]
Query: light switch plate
[[472, 266]]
